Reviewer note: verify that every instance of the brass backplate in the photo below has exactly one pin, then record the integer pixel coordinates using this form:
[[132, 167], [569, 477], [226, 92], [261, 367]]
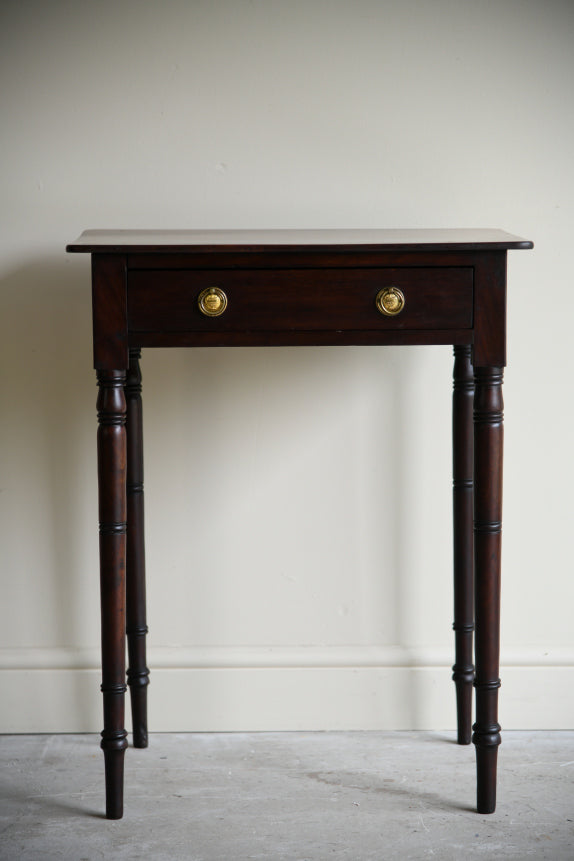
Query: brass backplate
[[390, 301], [212, 301]]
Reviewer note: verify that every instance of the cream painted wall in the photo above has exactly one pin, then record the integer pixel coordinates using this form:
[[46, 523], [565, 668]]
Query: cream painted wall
[[298, 500]]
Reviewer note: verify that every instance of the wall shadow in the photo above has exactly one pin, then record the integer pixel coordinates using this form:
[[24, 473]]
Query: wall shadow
[[297, 394], [48, 475]]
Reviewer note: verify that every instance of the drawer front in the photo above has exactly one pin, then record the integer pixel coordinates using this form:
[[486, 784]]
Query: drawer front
[[300, 299]]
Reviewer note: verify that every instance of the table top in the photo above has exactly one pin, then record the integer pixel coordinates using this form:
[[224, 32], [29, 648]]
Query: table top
[[133, 241]]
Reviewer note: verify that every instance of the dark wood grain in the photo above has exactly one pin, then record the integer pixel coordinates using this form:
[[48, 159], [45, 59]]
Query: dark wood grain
[[109, 311], [160, 241], [463, 556], [112, 517], [317, 338], [301, 299], [136, 625], [488, 438], [304, 257], [490, 309]]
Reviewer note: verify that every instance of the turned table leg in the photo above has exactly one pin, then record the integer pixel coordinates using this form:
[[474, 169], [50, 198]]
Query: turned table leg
[[488, 434], [462, 497], [136, 628], [112, 517]]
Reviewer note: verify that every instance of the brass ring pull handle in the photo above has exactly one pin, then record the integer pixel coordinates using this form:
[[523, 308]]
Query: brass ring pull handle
[[212, 302], [390, 301]]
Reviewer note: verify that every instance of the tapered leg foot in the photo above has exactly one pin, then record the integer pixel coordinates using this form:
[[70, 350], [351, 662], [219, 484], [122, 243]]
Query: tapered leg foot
[[486, 762], [139, 711], [114, 753], [464, 693]]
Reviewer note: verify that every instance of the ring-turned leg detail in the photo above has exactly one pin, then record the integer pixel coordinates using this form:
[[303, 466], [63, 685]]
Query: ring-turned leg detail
[[488, 440], [463, 556], [136, 627], [112, 517]]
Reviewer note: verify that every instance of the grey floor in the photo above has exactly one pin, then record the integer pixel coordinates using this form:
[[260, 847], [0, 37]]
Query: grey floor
[[296, 796]]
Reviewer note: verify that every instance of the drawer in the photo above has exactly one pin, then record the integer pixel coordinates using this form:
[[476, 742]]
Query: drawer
[[300, 299]]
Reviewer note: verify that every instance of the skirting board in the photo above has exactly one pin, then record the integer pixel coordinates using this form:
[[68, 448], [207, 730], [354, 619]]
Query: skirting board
[[276, 691]]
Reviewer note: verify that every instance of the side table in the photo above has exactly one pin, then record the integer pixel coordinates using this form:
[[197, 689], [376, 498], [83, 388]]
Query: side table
[[288, 287]]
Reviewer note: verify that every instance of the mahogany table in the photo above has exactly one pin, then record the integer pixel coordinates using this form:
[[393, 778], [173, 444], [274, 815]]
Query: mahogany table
[[317, 287]]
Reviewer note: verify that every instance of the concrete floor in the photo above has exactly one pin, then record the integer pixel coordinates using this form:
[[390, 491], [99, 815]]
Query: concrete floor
[[296, 796]]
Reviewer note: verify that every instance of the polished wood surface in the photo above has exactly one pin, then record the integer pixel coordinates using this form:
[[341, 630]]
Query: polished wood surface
[[111, 405], [488, 433], [301, 299], [142, 300], [97, 241], [136, 626], [463, 545], [293, 287]]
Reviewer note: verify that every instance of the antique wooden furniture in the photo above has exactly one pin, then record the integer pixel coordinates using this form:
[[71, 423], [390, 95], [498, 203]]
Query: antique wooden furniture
[[261, 288]]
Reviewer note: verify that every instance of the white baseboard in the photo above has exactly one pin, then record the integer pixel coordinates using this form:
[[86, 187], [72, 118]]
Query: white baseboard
[[307, 688]]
